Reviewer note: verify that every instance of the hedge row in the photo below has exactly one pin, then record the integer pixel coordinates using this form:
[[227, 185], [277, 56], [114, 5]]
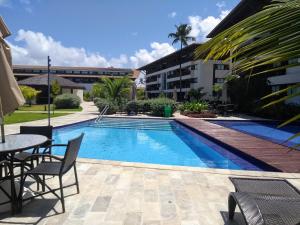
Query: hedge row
[[154, 106]]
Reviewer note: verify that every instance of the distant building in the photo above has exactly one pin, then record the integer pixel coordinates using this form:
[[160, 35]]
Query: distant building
[[85, 76], [279, 79], [162, 75], [40, 83]]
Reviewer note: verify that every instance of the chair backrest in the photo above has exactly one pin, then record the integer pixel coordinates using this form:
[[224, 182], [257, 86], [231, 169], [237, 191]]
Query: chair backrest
[[42, 130], [71, 153]]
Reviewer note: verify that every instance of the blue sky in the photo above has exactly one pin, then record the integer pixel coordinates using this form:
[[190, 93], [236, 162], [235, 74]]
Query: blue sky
[[115, 33]]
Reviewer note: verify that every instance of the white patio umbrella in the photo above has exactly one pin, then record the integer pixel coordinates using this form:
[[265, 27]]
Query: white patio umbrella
[[175, 94], [10, 94]]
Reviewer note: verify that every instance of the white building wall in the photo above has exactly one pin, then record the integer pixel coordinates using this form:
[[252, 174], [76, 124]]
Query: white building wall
[[291, 77], [203, 73]]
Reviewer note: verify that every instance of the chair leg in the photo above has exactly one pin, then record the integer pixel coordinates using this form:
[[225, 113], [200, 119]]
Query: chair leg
[[43, 185], [231, 207], [76, 179], [62, 194]]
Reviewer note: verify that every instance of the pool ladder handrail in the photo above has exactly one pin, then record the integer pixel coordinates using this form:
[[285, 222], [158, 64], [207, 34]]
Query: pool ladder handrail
[[102, 113]]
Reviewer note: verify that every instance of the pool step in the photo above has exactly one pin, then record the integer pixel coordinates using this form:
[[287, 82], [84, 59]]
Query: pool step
[[145, 124]]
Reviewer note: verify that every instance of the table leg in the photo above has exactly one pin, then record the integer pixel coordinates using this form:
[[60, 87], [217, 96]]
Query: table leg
[[12, 185]]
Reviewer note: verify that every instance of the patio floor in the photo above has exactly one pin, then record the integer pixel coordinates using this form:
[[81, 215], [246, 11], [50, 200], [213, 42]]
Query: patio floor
[[115, 193]]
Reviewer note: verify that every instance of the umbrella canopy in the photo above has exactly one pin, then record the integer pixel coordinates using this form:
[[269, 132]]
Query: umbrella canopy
[[10, 94], [175, 94]]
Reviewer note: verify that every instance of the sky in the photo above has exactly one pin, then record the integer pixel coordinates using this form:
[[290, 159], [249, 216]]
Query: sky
[[104, 33]]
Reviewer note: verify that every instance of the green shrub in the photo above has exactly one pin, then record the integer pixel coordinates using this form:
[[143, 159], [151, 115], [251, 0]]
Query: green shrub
[[194, 107], [87, 96], [66, 101], [144, 106], [102, 102], [157, 106], [132, 107]]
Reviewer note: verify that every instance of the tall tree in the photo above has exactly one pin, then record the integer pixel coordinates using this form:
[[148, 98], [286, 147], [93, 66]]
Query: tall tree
[[181, 35]]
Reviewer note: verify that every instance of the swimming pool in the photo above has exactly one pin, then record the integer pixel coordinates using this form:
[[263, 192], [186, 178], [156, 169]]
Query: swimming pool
[[264, 129], [149, 141]]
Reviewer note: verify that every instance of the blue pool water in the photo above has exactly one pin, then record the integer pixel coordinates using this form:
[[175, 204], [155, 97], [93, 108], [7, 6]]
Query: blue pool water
[[264, 129], [175, 146]]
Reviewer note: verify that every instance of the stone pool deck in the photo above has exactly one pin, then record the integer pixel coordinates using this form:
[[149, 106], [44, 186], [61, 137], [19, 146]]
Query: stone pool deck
[[118, 193]]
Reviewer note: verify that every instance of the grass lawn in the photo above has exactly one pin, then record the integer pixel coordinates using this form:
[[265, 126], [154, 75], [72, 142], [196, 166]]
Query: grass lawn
[[26, 117], [44, 108]]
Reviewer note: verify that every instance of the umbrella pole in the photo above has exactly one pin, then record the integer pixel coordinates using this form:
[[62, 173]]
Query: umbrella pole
[[2, 123]]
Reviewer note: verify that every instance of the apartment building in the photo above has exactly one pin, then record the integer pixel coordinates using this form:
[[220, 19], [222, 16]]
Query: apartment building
[[84, 76], [163, 75], [278, 79]]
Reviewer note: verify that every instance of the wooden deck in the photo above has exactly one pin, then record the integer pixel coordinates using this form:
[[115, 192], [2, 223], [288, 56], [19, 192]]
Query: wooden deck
[[273, 155]]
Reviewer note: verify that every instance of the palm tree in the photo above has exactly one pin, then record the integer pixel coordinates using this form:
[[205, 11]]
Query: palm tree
[[115, 89], [275, 38], [182, 35]]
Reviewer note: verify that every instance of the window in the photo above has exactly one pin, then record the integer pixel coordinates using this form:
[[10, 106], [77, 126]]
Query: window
[[193, 67], [220, 80], [275, 88], [294, 61], [221, 67]]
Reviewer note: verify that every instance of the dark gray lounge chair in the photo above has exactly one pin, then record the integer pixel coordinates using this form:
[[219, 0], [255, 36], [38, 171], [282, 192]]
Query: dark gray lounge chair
[[58, 168], [265, 201]]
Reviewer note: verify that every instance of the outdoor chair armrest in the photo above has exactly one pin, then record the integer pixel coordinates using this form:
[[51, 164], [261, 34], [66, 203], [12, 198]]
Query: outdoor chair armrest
[[4, 162], [43, 155]]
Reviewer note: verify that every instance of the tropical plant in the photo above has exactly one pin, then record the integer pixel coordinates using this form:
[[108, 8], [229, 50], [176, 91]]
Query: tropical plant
[[55, 88], [193, 107], [140, 93], [217, 91], [196, 94], [101, 103], [29, 93], [261, 44], [181, 35], [97, 91], [115, 89]]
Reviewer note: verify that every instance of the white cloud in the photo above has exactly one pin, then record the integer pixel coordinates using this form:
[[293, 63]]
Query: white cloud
[[34, 47], [221, 5], [172, 14], [143, 56], [134, 33], [201, 27]]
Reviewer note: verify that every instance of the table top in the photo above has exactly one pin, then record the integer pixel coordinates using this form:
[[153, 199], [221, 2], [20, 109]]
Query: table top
[[21, 142]]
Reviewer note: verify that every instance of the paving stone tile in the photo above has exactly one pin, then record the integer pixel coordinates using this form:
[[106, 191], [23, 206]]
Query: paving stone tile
[[101, 204], [133, 219], [129, 195]]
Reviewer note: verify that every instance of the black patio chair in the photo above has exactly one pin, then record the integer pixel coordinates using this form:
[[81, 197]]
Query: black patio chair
[[7, 177], [265, 201], [58, 167], [46, 147], [3, 167]]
